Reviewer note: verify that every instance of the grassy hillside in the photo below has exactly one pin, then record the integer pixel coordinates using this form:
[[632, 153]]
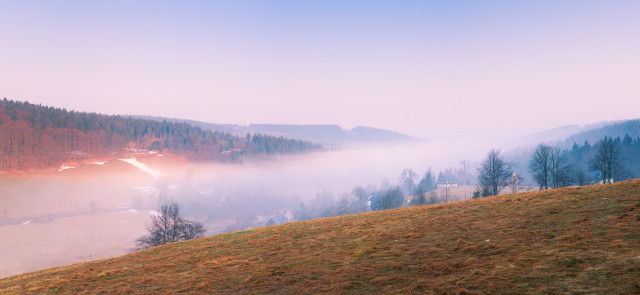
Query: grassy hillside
[[572, 240]]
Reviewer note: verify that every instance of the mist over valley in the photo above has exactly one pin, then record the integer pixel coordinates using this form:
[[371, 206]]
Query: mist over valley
[[94, 205], [97, 209], [223, 147]]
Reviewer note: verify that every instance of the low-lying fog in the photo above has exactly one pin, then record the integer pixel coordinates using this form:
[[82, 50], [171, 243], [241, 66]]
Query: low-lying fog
[[332, 171], [97, 210]]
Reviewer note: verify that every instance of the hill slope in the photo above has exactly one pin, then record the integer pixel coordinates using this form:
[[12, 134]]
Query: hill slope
[[629, 128], [35, 137], [572, 240]]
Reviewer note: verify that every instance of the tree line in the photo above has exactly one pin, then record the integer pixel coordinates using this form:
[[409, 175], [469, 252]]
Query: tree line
[[34, 136], [607, 161], [410, 190]]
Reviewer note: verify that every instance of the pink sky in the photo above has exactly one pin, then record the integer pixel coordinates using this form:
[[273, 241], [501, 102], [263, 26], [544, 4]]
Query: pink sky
[[427, 69]]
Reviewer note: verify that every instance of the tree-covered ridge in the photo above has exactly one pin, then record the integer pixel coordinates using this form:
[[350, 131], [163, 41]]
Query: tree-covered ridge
[[583, 156], [319, 133], [607, 160], [630, 128], [35, 136]]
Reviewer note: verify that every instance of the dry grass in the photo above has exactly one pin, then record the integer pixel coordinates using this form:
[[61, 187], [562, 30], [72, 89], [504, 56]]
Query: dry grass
[[583, 240]]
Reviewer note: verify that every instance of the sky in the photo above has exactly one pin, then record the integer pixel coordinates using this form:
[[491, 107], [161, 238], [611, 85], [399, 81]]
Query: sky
[[431, 69]]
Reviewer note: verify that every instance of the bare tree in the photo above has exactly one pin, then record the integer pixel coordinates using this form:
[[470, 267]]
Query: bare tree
[[168, 227], [549, 167], [192, 230], [582, 177], [445, 194], [539, 165], [559, 169], [463, 171], [433, 198], [359, 204], [341, 207], [391, 199], [494, 174], [419, 198], [608, 161], [408, 180], [514, 183]]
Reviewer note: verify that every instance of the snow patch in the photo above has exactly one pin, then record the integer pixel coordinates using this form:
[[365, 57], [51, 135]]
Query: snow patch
[[154, 213], [142, 167], [65, 167]]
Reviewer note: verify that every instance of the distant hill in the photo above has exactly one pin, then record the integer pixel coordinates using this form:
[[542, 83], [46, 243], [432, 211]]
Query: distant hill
[[566, 136], [325, 134], [610, 129], [558, 134], [580, 155], [35, 136], [581, 240]]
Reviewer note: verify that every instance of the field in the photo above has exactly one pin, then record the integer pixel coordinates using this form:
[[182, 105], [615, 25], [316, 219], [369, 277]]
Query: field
[[572, 240], [461, 193]]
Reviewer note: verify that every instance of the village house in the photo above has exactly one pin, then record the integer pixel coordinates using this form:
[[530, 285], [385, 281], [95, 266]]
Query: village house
[[447, 181], [280, 218]]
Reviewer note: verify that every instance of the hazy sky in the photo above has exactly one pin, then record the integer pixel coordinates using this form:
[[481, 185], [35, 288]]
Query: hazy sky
[[426, 68]]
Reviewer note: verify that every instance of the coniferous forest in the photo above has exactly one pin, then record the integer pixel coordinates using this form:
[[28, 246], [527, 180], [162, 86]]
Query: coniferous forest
[[35, 137]]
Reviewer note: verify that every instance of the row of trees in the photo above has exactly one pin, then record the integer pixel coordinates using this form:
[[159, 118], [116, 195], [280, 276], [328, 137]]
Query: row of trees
[[549, 167], [552, 167], [35, 136], [608, 161], [369, 198]]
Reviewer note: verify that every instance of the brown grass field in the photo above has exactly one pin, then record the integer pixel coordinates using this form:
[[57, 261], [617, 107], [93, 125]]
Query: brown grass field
[[582, 240]]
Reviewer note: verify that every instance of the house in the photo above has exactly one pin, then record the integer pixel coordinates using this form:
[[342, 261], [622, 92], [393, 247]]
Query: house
[[372, 202], [447, 181], [289, 216], [280, 218]]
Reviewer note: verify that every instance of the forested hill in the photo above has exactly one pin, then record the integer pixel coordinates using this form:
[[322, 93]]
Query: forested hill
[[35, 136], [325, 134], [630, 128]]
